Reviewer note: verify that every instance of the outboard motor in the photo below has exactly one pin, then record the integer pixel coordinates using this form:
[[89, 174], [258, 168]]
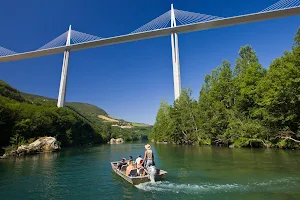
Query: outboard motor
[[152, 172]]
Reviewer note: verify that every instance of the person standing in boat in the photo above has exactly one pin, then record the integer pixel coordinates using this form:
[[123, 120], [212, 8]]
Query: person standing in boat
[[149, 156]]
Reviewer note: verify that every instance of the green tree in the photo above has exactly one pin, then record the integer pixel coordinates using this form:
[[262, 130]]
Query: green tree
[[215, 105], [161, 128], [249, 107], [184, 119], [279, 99], [248, 72], [22, 120]]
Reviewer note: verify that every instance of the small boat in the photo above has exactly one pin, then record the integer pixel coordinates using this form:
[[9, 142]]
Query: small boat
[[135, 180]]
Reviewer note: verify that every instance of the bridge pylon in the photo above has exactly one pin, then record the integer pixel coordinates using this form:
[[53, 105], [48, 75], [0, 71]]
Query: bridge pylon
[[175, 57], [64, 72]]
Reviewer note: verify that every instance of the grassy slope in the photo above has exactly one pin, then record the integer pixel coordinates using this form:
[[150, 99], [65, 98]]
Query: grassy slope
[[139, 124], [87, 110]]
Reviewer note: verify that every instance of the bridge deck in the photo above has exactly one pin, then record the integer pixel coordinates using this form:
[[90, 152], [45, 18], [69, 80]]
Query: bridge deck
[[158, 33]]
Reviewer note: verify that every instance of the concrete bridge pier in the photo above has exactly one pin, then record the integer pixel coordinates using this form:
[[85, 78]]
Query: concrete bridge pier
[[63, 80], [175, 57]]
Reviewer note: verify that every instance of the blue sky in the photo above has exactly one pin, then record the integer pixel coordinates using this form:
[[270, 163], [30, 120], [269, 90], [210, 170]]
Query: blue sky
[[129, 80]]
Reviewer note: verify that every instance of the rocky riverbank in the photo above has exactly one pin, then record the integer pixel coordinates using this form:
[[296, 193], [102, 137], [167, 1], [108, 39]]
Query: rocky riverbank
[[41, 145], [116, 141]]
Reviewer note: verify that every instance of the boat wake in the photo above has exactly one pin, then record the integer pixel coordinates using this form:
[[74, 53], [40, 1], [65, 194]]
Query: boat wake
[[202, 188], [165, 186]]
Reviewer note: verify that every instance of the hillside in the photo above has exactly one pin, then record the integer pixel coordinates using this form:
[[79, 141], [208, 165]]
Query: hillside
[[83, 108], [140, 124], [105, 118], [7, 91], [26, 116], [89, 111]]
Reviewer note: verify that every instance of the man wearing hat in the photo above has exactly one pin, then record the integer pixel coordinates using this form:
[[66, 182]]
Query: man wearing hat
[[149, 156]]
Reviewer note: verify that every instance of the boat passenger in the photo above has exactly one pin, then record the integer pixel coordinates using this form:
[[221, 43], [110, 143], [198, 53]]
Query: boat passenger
[[130, 158], [139, 166], [149, 155], [129, 168], [138, 160], [122, 163]]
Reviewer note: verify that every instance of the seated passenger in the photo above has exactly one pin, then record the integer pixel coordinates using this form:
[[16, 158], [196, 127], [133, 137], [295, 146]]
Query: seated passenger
[[129, 168], [138, 160], [139, 166], [130, 158], [122, 163]]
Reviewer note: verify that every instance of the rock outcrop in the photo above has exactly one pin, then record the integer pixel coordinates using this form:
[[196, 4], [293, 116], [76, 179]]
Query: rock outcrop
[[44, 144], [116, 141]]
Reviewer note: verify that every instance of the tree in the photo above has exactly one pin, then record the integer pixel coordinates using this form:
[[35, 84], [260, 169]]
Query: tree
[[249, 107], [160, 131], [215, 104], [183, 115], [248, 72], [279, 98], [21, 121], [297, 39]]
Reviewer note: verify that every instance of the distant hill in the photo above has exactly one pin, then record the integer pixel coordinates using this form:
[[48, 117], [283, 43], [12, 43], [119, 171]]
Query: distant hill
[[7, 91], [139, 124], [108, 118], [87, 110], [37, 98]]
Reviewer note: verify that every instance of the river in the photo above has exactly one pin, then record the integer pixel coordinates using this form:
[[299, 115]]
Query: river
[[194, 172]]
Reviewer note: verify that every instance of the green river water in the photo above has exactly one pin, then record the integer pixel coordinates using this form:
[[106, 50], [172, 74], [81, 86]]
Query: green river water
[[193, 173]]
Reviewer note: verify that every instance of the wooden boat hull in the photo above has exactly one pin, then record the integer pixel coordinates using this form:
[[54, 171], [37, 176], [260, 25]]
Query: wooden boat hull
[[138, 179]]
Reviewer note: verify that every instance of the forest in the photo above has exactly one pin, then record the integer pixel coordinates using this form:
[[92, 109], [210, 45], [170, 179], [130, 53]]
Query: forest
[[25, 117], [241, 106]]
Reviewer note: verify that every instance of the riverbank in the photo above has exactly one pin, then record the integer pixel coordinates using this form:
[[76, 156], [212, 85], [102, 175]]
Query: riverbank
[[256, 144], [41, 145]]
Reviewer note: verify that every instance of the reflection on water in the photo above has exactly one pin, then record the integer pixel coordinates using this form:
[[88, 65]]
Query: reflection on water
[[194, 172]]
